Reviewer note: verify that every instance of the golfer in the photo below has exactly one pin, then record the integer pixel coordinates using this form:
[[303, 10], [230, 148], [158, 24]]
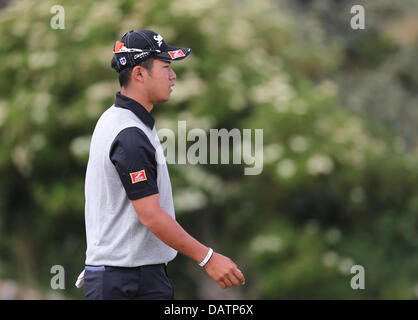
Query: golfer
[[129, 214]]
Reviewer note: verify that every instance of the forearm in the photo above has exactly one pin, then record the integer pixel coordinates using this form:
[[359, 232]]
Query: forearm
[[171, 233], [222, 269]]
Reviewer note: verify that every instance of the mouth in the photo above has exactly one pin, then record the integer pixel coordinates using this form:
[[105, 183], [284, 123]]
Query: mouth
[[171, 87]]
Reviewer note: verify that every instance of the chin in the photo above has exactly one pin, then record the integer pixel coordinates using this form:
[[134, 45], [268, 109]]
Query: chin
[[162, 100], [167, 98]]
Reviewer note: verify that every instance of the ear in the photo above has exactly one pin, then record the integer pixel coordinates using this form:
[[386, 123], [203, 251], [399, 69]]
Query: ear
[[138, 73]]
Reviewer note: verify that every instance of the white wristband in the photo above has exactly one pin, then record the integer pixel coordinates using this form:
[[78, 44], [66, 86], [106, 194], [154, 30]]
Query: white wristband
[[208, 256]]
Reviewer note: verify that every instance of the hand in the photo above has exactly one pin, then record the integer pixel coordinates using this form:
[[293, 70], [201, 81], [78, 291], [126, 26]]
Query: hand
[[224, 271]]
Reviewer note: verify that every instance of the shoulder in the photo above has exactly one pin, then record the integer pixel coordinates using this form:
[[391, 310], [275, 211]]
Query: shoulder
[[131, 142], [132, 136]]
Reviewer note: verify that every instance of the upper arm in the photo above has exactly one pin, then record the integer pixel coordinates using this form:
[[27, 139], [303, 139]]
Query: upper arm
[[133, 156], [146, 208]]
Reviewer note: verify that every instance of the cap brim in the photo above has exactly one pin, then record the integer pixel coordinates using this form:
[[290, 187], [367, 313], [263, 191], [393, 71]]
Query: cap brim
[[174, 54]]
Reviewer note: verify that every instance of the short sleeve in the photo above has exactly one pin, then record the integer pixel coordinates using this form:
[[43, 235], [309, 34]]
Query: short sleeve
[[134, 158]]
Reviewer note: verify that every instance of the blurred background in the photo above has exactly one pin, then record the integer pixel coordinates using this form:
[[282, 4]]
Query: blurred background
[[339, 110]]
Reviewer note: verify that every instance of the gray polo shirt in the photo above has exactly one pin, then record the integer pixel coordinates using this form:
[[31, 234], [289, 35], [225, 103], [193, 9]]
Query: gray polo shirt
[[122, 166]]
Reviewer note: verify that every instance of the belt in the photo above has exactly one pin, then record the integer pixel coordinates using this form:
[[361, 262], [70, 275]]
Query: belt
[[102, 268], [80, 280], [95, 268]]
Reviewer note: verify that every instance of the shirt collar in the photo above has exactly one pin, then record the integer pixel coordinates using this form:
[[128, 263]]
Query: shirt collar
[[125, 102]]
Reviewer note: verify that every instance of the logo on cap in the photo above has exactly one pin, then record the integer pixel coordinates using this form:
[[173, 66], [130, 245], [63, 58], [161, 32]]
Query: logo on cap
[[122, 61], [159, 39], [118, 46], [141, 55], [138, 176], [176, 54]]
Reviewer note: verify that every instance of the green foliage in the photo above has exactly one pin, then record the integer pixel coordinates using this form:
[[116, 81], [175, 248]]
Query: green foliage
[[338, 187]]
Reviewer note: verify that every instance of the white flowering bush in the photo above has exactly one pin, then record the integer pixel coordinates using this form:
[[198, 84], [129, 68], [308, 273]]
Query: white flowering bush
[[336, 188]]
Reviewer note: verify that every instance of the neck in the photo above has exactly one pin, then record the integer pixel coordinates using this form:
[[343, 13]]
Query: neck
[[138, 97]]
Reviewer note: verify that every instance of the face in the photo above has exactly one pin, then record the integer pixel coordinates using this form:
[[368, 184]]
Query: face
[[160, 81]]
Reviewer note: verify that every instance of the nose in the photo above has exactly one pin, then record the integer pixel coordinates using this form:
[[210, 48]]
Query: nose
[[172, 74]]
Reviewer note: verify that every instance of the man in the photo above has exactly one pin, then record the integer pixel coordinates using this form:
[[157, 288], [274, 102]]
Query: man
[[130, 221]]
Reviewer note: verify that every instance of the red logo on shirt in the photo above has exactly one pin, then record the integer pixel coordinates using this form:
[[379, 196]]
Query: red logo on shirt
[[138, 176]]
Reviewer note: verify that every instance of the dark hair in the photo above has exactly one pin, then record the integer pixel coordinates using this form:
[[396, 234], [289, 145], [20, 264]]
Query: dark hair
[[125, 74]]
